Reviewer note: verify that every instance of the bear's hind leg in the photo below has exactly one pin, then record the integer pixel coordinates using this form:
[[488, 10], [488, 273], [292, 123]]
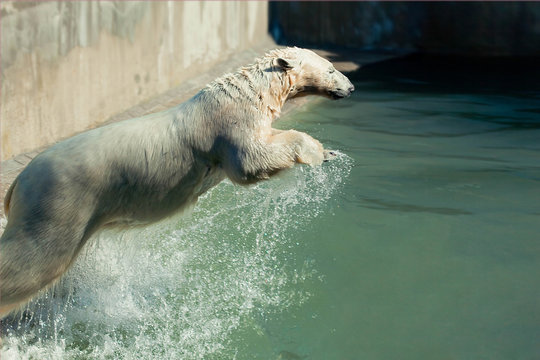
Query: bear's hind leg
[[32, 261]]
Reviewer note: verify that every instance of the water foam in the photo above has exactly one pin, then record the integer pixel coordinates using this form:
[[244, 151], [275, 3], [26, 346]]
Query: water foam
[[180, 290]]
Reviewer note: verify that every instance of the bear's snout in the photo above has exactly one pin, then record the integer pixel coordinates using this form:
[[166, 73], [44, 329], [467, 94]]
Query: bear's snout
[[342, 92], [342, 87]]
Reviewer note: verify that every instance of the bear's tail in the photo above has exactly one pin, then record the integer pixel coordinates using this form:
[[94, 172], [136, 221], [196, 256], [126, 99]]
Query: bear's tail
[[7, 198]]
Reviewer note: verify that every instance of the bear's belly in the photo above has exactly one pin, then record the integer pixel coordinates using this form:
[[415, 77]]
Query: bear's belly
[[147, 207], [213, 176]]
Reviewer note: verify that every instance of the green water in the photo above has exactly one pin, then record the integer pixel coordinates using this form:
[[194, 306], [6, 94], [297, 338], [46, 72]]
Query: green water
[[420, 241]]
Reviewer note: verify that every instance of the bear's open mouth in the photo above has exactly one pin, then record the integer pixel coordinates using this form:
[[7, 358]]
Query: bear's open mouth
[[338, 94]]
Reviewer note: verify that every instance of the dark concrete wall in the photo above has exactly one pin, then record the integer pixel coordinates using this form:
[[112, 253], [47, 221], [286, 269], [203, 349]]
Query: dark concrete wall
[[470, 28]]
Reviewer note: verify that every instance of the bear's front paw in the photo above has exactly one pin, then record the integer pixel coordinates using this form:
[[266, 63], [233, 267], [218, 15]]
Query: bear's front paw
[[329, 155], [310, 151]]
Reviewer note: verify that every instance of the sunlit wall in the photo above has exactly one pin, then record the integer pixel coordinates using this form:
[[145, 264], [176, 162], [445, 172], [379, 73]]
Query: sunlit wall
[[69, 66]]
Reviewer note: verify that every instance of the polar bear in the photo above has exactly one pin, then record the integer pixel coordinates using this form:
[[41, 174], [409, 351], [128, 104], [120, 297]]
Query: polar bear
[[142, 170]]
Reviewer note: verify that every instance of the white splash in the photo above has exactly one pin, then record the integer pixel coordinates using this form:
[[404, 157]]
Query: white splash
[[181, 289]]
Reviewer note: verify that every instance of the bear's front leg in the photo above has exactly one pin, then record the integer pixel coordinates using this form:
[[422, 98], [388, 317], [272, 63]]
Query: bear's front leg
[[327, 154], [306, 149], [247, 162]]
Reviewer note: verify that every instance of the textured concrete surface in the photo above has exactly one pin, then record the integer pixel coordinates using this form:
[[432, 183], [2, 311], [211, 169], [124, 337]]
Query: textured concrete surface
[[68, 66], [345, 61]]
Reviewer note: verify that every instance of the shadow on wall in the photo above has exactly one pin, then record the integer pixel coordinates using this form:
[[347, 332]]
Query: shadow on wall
[[461, 28], [449, 74]]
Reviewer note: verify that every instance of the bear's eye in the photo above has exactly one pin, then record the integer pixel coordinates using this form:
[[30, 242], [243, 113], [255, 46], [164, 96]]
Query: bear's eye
[[332, 70]]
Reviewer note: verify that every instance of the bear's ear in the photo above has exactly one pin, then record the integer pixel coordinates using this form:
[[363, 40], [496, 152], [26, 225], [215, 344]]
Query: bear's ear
[[284, 64]]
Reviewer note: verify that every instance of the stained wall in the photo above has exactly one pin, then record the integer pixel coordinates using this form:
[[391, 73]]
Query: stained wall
[[67, 66]]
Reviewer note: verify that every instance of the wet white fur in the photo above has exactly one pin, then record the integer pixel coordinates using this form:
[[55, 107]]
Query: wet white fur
[[142, 170]]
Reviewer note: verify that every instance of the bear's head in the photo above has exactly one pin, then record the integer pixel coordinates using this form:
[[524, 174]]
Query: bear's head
[[309, 73]]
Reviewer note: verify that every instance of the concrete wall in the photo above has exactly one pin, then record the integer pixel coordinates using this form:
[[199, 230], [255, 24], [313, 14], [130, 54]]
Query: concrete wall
[[69, 66], [464, 28]]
